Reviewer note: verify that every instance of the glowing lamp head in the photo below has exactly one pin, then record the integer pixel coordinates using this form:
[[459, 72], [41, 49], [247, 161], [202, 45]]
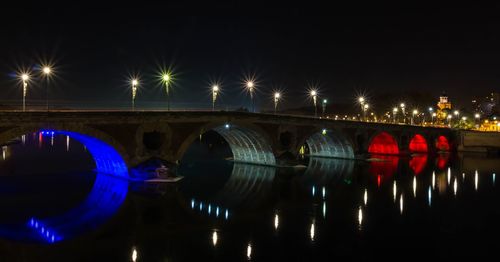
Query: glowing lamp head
[[431, 109], [325, 101], [434, 114], [25, 77], [456, 112], [395, 110], [46, 70], [314, 93], [477, 115], [464, 118], [215, 88], [366, 106], [415, 111], [277, 95], [250, 84], [135, 82], [449, 116], [361, 100], [166, 77], [402, 105]]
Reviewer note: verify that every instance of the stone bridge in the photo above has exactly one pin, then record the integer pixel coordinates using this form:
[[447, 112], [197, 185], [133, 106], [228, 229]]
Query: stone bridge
[[134, 137]]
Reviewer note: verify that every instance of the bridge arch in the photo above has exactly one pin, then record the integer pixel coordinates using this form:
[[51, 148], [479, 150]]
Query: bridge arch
[[248, 143], [329, 143], [418, 144], [383, 143], [109, 156], [442, 143]]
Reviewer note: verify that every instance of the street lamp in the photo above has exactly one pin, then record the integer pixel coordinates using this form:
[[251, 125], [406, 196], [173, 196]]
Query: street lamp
[[361, 101], [457, 115], [25, 78], [365, 108], [250, 86], [394, 113], [46, 70], [402, 105], [414, 113], [314, 95], [477, 116], [449, 119], [431, 110], [324, 106], [432, 117], [135, 82], [277, 96], [166, 78], [215, 91]]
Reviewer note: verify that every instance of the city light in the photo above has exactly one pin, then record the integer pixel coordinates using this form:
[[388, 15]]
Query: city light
[[324, 106], [215, 91], [394, 113], [314, 95], [277, 97], [250, 87], [166, 78], [402, 105], [47, 71], [134, 83], [25, 78]]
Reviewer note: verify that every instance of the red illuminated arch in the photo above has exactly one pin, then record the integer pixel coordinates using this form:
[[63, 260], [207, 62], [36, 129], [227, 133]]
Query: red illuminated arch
[[383, 143], [442, 144], [418, 144]]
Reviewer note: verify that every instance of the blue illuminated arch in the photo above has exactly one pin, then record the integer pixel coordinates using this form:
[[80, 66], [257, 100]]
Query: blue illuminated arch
[[107, 159]]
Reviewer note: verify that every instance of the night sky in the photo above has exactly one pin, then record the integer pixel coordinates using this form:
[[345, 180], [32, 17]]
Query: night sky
[[376, 50]]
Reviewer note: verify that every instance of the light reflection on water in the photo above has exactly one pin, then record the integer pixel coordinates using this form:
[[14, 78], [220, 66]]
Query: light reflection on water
[[367, 204]]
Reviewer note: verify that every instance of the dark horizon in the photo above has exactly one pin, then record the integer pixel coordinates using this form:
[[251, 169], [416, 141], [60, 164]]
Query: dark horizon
[[344, 50]]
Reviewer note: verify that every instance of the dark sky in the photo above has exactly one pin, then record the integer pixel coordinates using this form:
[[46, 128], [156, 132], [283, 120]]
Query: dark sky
[[346, 50]]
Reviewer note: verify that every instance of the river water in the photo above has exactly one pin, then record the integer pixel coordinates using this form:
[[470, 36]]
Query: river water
[[55, 207]]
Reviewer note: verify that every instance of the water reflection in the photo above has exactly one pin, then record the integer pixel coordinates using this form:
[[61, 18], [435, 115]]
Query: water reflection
[[247, 186], [214, 238], [104, 200], [384, 167], [418, 163], [327, 171], [442, 160]]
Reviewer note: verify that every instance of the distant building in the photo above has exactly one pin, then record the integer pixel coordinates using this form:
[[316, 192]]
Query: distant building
[[444, 103], [443, 108]]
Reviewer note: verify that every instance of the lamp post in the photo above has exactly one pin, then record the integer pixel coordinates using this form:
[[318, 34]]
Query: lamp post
[[250, 86], [402, 105], [277, 96], [457, 115], [314, 96], [25, 77], [166, 79], [46, 70], [394, 113], [135, 82], [432, 117], [477, 118], [431, 111], [414, 113], [449, 119], [361, 101], [365, 108], [324, 106], [215, 91]]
